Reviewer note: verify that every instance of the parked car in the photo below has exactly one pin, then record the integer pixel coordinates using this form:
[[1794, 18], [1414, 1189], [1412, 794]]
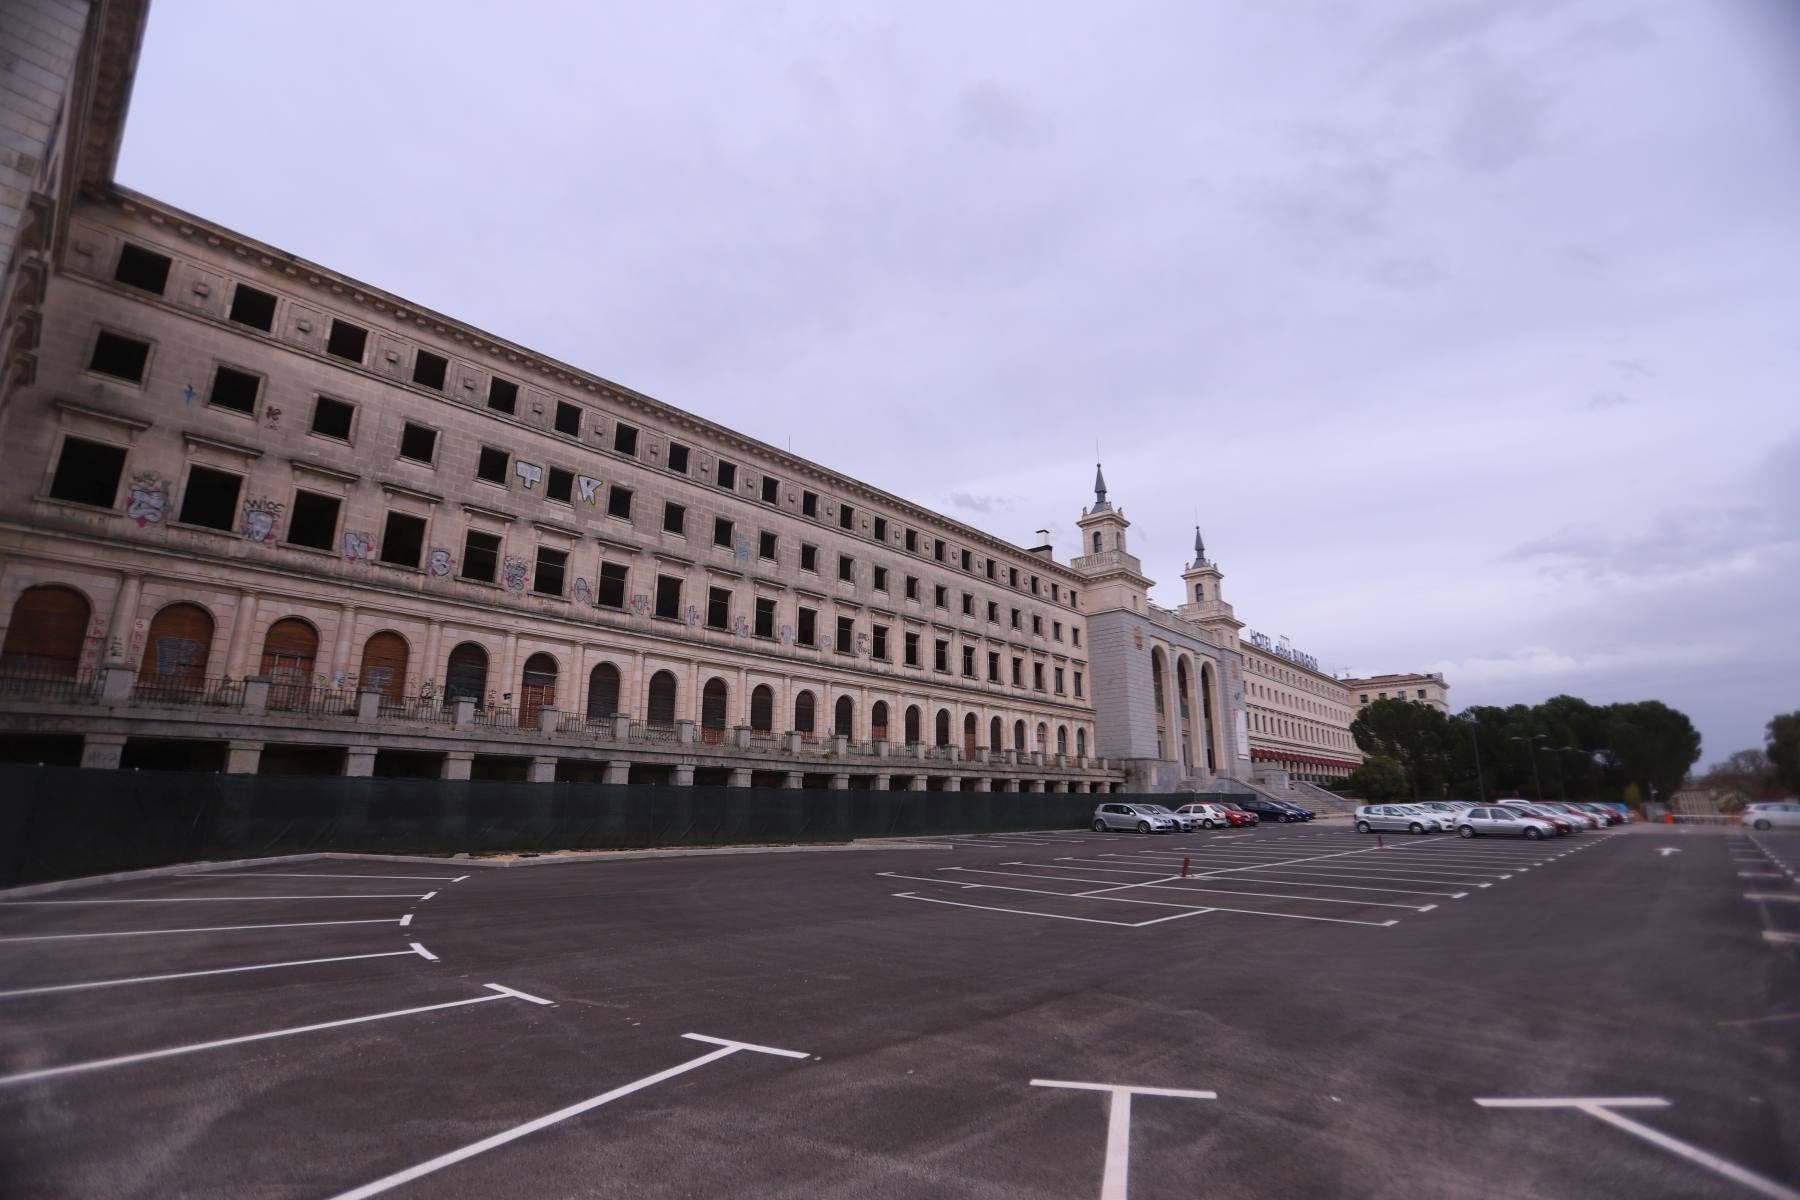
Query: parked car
[[1583, 818], [1182, 822], [1608, 816], [1399, 818], [1500, 820], [1142, 817], [1559, 822], [1240, 818], [1210, 816], [1304, 813], [1270, 810], [1767, 814]]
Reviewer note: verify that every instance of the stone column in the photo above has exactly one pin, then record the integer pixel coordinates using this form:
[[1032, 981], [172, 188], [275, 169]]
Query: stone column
[[918, 784], [542, 770], [102, 751], [683, 775], [879, 783], [1037, 785], [125, 611], [984, 784], [740, 737], [684, 733], [621, 727], [340, 654], [457, 764], [116, 680], [359, 761], [256, 695], [462, 716], [840, 782], [791, 781], [509, 665], [243, 620], [368, 706], [242, 758], [740, 777], [548, 717], [434, 644], [617, 772]]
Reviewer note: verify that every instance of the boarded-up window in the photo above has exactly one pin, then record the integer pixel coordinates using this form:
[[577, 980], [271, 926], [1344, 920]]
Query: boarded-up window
[[661, 710], [465, 675], [177, 648], [537, 688], [712, 711], [996, 736], [803, 714], [969, 735], [290, 652], [943, 727], [843, 716], [762, 709], [46, 632], [384, 666], [603, 692], [878, 721], [912, 725]]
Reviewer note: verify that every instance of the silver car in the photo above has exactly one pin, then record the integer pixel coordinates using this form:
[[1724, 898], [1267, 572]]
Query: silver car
[[1182, 821], [1210, 816], [1770, 813], [1500, 821], [1399, 818], [1144, 818]]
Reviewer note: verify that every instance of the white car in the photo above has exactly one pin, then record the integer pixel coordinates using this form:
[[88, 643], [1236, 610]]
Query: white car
[[1768, 814], [1142, 817], [1210, 816]]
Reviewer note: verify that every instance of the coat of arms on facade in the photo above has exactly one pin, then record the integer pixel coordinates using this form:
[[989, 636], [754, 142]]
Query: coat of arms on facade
[[147, 498], [260, 516]]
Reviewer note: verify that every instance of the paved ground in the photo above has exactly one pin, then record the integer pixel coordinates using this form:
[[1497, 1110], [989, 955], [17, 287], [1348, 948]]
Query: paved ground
[[1323, 1014]]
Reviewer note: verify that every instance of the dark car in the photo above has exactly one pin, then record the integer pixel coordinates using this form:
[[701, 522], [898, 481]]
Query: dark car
[[1305, 814], [1270, 810]]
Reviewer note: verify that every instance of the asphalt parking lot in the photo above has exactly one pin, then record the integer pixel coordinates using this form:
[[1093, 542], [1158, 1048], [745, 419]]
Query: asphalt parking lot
[[1304, 1012]]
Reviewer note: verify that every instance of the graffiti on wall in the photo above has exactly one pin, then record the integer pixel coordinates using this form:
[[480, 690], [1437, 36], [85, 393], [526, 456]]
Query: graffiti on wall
[[147, 498], [440, 563], [173, 654], [640, 605], [693, 615], [272, 417], [359, 546], [741, 626], [742, 548], [584, 591], [529, 474], [260, 517], [589, 488], [513, 572]]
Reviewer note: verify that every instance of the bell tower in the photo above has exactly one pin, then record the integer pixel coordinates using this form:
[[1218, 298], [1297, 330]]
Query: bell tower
[[1204, 602], [1115, 577]]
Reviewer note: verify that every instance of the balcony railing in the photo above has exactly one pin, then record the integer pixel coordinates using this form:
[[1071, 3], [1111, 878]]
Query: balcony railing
[[217, 693], [23, 678]]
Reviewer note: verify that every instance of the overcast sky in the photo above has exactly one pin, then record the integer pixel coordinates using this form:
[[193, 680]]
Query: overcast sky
[[1469, 331]]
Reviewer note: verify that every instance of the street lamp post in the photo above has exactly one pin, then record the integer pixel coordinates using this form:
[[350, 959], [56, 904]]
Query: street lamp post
[[1537, 783], [1480, 787]]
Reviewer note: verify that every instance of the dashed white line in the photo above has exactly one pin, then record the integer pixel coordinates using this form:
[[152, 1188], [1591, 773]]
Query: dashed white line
[[62, 937], [422, 952]]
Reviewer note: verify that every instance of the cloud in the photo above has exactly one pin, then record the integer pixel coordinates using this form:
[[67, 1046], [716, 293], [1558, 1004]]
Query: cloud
[[1601, 401], [970, 502]]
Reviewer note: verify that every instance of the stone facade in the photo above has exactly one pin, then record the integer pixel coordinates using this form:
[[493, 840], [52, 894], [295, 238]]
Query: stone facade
[[1430, 690]]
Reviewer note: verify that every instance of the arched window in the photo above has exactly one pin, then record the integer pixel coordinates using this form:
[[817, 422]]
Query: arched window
[[603, 692], [465, 675], [1062, 739], [845, 717], [912, 724], [384, 666], [1156, 680], [47, 632], [712, 711], [803, 714], [970, 733], [1081, 743], [1019, 736], [537, 688], [762, 709], [942, 727], [1181, 687], [1096, 542], [290, 654], [878, 721], [660, 711], [1199, 592], [1043, 736], [177, 648], [996, 736]]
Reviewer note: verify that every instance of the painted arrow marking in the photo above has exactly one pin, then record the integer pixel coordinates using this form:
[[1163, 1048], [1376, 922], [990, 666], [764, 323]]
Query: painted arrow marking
[[1665, 851]]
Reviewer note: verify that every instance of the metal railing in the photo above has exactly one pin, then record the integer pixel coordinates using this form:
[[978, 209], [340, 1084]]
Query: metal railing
[[30, 678], [497, 716], [221, 692], [317, 700]]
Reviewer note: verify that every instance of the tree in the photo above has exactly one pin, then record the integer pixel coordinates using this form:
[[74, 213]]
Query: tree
[[1378, 778], [1747, 772], [1784, 750], [1563, 746], [1416, 737]]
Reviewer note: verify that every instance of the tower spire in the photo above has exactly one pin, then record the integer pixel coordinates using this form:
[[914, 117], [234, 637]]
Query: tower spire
[[1199, 548], [1100, 504]]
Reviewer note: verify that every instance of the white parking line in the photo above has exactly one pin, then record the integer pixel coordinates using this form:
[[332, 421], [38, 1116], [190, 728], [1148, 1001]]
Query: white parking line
[[1117, 1171], [725, 1049], [1252, 879], [1779, 897], [298, 875], [217, 899], [99, 1064], [1024, 912], [1781, 939], [300, 962], [423, 953], [64, 937]]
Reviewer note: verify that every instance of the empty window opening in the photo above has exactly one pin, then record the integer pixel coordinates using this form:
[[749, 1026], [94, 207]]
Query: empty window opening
[[912, 587], [674, 518], [722, 532], [846, 568], [313, 520], [881, 529], [968, 563], [727, 475], [940, 655], [718, 608], [552, 566], [503, 395], [403, 540], [625, 439], [809, 627], [332, 418], [568, 418], [560, 485], [119, 356], [846, 517], [611, 593], [937, 549], [809, 557], [809, 504], [668, 597], [253, 308], [765, 545], [846, 635], [211, 498], [678, 458], [618, 503], [347, 341], [912, 652], [878, 642], [234, 389], [491, 466], [88, 472], [141, 268], [429, 370], [771, 490], [881, 579], [418, 442], [765, 617], [481, 556]]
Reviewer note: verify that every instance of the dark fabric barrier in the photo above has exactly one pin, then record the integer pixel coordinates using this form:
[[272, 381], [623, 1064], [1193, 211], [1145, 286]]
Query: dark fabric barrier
[[65, 822]]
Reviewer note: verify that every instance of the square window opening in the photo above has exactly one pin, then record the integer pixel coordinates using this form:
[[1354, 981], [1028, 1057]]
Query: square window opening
[[481, 556], [235, 390], [568, 418], [143, 269], [313, 520], [503, 395], [119, 356], [418, 442], [332, 418], [88, 472], [491, 466], [347, 341], [403, 540], [253, 308], [430, 369], [211, 498]]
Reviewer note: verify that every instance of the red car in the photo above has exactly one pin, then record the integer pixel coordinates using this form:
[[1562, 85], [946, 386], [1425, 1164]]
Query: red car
[[1237, 816]]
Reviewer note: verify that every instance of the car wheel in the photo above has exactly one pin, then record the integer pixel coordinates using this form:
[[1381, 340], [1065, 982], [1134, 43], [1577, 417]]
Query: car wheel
[[1207, 824], [1415, 827], [1143, 827], [1532, 833], [1099, 826], [1467, 831], [1364, 827], [1761, 825]]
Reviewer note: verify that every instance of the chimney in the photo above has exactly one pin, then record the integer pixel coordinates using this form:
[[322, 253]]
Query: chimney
[[1043, 543]]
